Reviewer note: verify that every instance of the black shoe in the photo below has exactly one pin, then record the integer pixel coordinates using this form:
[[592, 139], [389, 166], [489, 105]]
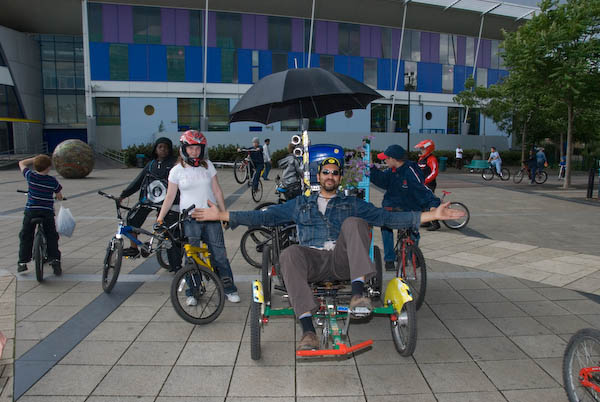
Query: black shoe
[[130, 252], [56, 267], [21, 267], [425, 224], [264, 178], [435, 225], [390, 266]]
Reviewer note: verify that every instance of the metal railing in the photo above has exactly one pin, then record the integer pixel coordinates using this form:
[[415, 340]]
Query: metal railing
[[22, 153], [117, 156]]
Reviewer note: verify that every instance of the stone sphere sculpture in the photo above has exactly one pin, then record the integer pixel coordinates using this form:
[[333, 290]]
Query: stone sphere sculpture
[[73, 159]]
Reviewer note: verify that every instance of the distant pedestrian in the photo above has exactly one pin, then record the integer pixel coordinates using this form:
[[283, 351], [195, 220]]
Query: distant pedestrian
[[459, 157], [267, 159]]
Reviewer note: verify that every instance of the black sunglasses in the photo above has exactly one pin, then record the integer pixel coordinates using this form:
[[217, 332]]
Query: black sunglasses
[[333, 172]]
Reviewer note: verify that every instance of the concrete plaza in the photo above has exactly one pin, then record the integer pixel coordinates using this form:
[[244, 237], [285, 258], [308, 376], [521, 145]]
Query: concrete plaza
[[504, 296]]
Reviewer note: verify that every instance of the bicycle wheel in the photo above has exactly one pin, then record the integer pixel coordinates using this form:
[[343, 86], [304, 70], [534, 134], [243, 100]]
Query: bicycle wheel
[[413, 271], [39, 251], [541, 177], [505, 174], [255, 327], [266, 270], [460, 222], [377, 280], [583, 351], [518, 177], [112, 264], [253, 243], [487, 174], [240, 170], [197, 294], [162, 257], [404, 329], [264, 205], [257, 194]]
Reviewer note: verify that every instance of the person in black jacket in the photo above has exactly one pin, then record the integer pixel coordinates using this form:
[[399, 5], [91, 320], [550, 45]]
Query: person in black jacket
[[256, 154], [152, 185]]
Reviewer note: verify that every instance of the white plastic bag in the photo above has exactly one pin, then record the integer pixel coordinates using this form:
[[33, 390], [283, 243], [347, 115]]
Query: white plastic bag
[[65, 223]]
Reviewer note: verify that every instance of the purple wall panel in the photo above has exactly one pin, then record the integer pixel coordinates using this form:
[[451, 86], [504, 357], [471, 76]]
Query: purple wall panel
[[332, 38], [248, 31], [434, 47], [297, 35], [320, 35], [167, 26], [461, 50], [486, 45], [396, 35], [376, 42], [365, 41], [212, 28], [125, 24], [262, 32], [425, 47], [110, 26], [182, 27]]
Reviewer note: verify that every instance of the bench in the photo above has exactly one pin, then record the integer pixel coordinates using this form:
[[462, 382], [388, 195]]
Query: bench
[[477, 164]]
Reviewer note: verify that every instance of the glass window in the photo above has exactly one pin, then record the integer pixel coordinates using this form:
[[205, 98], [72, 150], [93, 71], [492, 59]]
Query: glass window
[[482, 77], [65, 75], [49, 74], [78, 48], [255, 65], [386, 43], [81, 109], [452, 41], [280, 62], [307, 37], [318, 124], [50, 109], [280, 34], [447, 79], [410, 75], [119, 62], [470, 51], [196, 28], [229, 66], [9, 104], [146, 25], [444, 49], [494, 61], [326, 62], [218, 114], [349, 39], [67, 109], [380, 115], [189, 112], [406, 45], [453, 125], [79, 76], [64, 51], [2, 62], [370, 72], [47, 49], [95, 22], [472, 119], [229, 30], [500, 57], [175, 63], [154, 21], [108, 112], [415, 46]]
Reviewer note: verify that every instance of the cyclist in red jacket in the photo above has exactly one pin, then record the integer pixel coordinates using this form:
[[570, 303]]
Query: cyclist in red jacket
[[429, 165]]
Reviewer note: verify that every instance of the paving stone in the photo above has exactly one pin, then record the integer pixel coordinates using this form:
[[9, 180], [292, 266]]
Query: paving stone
[[443, 296], [440, 351], [431, 328], [580, 306], [520, 326], [499, 309], [538, 346], [132, 314], [517, 374], [208, 354], [53, 313], [493, 396], [96, 353], [564, 324], [382, 352], [552, 366], [504, 282], [466, 283], [280, 381], [73, 299], [166, 332], [35, 330], [482, 295], [456, 377], [535, 395], [120, 399], [116, 331], [133, 381], [36, 299], [277, 330], [403, 398], [383, 380], [272, 354], [326, 399], [46, 398], [585, 284], [472, 328], [233, 314], [498, 348], [456, 311], [69, 380], [546, 307], [152, 354], [522, 295]]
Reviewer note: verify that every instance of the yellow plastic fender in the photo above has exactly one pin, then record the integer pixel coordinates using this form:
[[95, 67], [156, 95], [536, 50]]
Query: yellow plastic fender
[[257, 292], [398, 293]]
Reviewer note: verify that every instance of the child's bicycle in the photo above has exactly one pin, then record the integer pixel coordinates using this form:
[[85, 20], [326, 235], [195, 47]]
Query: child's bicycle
[[581, 366], [460, 222], [114, 252], [197, 292], [488, 173], [410, 264], [40, 251], [244, 171], [540, 175]]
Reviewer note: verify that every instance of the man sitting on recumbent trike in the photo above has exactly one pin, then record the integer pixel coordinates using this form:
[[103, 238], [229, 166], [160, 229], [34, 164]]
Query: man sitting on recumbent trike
[[334, 237]]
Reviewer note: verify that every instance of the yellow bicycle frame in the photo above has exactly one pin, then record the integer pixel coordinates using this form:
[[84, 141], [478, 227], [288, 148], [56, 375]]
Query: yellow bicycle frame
[[199, 254]]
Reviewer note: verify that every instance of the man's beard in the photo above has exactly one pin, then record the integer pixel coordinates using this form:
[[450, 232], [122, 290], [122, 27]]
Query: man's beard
[[329, 185]]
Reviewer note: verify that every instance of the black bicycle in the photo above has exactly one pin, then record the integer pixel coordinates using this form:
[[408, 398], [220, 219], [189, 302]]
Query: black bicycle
[[540, 175], [488, 173], [244, 171]]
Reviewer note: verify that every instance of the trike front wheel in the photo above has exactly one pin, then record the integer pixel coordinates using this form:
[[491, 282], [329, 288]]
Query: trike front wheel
[[255, 327], [404, 329]]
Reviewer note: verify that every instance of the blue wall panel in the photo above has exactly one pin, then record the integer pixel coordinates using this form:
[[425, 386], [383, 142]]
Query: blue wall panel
[[295, 57], [99, 61], [265, 63], [400, 75], [315, 60], [356, 68], [244, 66], [157, 62], [213, 73], [384, 74], [429, 77], [340, 64], [502, 74], [138, 62], [193, 64], [55, 137]]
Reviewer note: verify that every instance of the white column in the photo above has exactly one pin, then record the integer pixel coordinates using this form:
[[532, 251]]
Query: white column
[[204, 120], [89, 109], [312, 23], [391, 123]]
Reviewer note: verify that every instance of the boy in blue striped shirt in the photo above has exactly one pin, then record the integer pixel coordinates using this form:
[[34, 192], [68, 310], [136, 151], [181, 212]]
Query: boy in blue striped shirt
[[40, 204]]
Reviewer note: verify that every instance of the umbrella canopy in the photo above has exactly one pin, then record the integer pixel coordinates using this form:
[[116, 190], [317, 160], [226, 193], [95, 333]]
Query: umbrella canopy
[[301, 93]]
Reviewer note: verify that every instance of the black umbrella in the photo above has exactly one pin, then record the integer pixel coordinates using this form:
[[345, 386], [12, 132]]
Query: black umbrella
[[301, 93]]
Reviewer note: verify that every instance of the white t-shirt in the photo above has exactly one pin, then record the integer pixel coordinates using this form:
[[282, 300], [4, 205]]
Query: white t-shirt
[[194, 184], [459, 153], [266, 153], [495, 156]]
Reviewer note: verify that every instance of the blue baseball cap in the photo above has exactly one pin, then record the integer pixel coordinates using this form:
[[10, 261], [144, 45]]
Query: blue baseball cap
[[393, 151]]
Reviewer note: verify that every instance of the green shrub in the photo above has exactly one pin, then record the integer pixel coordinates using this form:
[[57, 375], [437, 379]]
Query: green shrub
[[277, 155], [132, 150], [224, 153]]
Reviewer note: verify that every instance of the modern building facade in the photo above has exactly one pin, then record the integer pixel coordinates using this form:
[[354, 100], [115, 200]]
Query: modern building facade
[[146, 68]]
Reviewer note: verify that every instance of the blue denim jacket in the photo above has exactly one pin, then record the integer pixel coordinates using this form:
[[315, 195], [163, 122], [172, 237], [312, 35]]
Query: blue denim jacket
[[314, 228]]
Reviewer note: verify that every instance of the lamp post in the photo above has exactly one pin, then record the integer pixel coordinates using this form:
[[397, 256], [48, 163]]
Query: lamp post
[[409, 86]]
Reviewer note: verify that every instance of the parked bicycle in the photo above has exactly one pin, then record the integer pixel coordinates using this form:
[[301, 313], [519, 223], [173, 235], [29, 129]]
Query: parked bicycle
[[460, 222], [488, 173], [581, 366], [157, 241], [40, 248], [540, 175], [244, 171]]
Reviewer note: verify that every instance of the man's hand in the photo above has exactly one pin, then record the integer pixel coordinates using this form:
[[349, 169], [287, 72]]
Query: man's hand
[[442, 213], [212, 213]]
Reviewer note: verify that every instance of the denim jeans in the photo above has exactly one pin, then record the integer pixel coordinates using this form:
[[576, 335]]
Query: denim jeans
[[389, 241], [256, 175], [211, 233], [498, 165]]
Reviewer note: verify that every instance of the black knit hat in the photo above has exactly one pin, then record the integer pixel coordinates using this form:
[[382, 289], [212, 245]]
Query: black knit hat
[[162, 140]]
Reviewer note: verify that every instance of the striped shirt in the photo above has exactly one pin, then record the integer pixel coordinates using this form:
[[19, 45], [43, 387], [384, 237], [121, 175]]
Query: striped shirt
[[41, 190]]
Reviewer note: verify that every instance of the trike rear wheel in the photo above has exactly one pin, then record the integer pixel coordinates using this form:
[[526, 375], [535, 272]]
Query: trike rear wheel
[[404, 329], [255, 327]]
